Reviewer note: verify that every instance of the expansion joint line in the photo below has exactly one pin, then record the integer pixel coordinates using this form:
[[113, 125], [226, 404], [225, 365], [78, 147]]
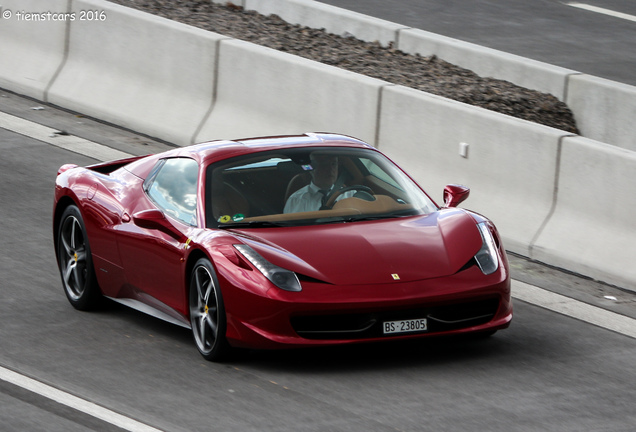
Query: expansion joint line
[[378, 115], [215, 83], [566, 87], [67, 41], [555, 194]]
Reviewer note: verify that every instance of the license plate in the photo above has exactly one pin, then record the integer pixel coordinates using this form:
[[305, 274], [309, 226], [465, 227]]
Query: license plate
[[405, 326]]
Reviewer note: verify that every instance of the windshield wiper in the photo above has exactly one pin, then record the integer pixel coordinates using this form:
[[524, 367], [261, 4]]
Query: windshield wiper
[[368, 218], [343, 219], [359, 218]]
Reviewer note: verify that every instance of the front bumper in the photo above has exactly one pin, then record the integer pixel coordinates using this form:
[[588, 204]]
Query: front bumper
[[324, 314]]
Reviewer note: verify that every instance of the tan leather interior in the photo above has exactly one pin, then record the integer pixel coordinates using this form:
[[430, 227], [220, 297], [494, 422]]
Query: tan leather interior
[[345, 207]]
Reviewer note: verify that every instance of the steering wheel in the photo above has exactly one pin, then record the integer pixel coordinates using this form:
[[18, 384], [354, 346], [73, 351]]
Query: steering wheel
[[363, 192]]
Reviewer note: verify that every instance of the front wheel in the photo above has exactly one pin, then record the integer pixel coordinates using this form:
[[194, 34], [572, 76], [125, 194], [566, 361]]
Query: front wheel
[[75, 261], [207, 313]]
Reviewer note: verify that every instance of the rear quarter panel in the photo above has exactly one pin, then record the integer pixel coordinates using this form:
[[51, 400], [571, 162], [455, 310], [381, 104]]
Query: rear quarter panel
[[98, 196]]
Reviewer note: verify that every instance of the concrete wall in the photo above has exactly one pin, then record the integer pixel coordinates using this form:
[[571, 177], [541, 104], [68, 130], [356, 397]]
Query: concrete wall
[[605, 110], [140, 71], [593, 228], [31, 51], [262, 91]]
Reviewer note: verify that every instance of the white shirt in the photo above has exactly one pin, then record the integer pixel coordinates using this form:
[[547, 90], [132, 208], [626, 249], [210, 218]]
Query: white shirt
[[309, 198]]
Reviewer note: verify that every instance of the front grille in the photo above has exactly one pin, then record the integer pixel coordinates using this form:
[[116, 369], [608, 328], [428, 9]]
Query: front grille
[[369, 325]]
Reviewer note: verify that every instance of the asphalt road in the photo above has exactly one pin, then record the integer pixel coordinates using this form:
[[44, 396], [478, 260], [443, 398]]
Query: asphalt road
[[546, 372], [600, 43]]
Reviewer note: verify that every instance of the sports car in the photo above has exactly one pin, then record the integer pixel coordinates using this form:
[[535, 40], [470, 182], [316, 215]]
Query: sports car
[[279, 242]]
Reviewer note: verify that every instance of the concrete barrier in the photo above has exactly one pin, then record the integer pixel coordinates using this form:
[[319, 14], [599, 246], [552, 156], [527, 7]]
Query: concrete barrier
[[510, 165], [31, 45], [343, 22], [593, 228], [488, 62], [605, 110], [263, 92], [140, 71], [602, 109], [483, 61]]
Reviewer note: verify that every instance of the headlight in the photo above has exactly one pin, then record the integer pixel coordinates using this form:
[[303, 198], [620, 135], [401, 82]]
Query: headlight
[[282, 278], [487, 256]]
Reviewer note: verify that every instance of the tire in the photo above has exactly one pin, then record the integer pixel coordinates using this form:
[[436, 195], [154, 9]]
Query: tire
[[76, 262], [207, 312]]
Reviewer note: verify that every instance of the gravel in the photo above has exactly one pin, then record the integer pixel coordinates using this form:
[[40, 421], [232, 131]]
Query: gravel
[[429, 74]]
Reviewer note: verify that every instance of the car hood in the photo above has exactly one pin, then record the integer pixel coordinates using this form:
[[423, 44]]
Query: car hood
[[382, 251]]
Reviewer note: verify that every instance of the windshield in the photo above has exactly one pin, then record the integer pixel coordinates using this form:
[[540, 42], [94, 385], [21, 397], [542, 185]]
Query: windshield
[[305, 186]]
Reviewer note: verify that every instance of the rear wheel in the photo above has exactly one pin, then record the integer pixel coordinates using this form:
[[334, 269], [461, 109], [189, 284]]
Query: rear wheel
[[207, 313], [75, 261]]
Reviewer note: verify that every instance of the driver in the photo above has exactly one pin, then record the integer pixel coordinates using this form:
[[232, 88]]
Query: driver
[[323, 176]]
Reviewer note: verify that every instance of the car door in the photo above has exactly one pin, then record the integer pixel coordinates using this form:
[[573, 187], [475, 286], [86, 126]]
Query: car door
[[153, 243]]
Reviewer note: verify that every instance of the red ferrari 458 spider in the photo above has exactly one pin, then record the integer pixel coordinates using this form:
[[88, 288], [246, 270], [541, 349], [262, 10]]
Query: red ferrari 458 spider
[[274, 242]]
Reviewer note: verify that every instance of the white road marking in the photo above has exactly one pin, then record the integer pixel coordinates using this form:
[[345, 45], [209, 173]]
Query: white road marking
[[602, 11], [68, 142], [74, 402], [574, 308]]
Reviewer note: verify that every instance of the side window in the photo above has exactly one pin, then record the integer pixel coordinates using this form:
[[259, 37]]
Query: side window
[[174, 189]]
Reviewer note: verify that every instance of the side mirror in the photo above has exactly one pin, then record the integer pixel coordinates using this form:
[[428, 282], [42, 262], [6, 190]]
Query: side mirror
[[155, 219], [455, 195]]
